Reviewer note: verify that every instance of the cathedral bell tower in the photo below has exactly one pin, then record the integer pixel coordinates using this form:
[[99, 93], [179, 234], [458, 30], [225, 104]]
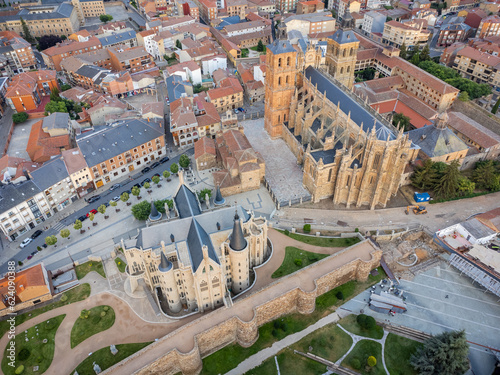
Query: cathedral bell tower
[[281, 72], [341, 52]]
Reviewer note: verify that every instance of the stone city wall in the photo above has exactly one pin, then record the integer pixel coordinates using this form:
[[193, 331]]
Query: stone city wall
[[246, 333]]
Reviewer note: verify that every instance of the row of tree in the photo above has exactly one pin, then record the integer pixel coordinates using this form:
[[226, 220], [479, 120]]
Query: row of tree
[[448, 182]]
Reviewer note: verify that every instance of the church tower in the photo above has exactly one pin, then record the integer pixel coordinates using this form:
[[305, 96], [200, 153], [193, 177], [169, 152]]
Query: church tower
[[341, 52], [281, 72]]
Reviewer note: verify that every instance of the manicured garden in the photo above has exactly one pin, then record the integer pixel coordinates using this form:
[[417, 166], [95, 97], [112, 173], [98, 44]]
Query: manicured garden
[[295, 259], [120, 264], [105, 359], [33, 348], [85, 268], [362, 325], [90, 322], [358, 358], [322, 241], [76, 294], [397, 352]]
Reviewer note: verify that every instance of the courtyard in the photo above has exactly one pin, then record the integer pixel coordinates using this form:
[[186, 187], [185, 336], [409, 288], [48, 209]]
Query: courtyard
[[283, 174], [19, 140], [441, 299]]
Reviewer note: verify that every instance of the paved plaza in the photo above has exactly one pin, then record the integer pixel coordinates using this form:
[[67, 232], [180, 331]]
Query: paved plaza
[[137, 101], [117, 11], [283, 174], [441, 299]]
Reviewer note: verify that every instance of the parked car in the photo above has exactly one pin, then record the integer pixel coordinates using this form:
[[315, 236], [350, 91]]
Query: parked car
[[236, 111], [164, 160], [154, 165], [156, 175], [145, 170], [82, 218], [26, 242], [94, 211], [241, 109], [145, 180], [36, 234], [114, 187], [44, 245], [106, 204], [116, 199], [93, 199], [137, 186]]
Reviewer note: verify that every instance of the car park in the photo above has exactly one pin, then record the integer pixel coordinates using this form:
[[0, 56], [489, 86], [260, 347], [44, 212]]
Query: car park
[[145, 180], [26, 242], [94, 211], [93, 199], [164, 160], [36, 234], [114, 187], [145, 170]]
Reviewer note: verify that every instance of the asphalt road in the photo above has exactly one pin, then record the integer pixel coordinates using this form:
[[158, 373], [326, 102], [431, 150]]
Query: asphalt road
[[69, 220]]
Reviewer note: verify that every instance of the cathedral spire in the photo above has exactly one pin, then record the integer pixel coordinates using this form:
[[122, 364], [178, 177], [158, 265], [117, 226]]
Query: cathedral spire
[[237, 241]]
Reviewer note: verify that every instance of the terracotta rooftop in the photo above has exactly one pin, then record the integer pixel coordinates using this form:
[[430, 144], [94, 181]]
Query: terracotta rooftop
[[71, 46], [74, 160], [204, 146], [156, 108], [210, 117], [473, 130], [491, 219], [31, 277], [41, 146], [482, 57]]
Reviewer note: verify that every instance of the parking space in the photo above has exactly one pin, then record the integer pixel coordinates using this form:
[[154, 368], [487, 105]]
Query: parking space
[[441, 299]]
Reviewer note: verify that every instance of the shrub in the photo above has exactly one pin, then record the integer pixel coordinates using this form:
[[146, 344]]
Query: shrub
[[356, 230], [298, 262], [20, 263], [103, 314], [360, 319], [307, 228], [95, 318], [39, 248], [276, 324], [19, 370], [84, 314], [39, 359], [284, 327], [19, 117], [64, 298], [274, 333], [339, 295], [106, 308], [287, 232], [23, 354], [372, 361], [355, 364], [370, 322]]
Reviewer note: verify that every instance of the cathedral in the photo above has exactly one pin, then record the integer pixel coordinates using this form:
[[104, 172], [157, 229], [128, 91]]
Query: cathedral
[[349, 153], [198, 259]]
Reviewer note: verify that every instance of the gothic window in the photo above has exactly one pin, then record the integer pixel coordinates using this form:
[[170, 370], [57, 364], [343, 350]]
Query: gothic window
[[279, 118], [279, 81], [288, 61], [279, 62], [376, 160], [343, 53], [348, 69], [286, 79], [342, 70], [371, 180], [330, 175], [284, 117], [352, 51], [348, 180]]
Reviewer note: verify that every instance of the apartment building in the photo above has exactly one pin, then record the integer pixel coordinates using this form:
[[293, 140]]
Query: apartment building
[[188, 8], [53, 56], [236, 8], [89, 77], [78, 171], [88, 8], [18, 52], [226, 98], [373, 22], [208, 10], [396, 33], [188, 71], [50, 19], [126, 37], [48, 137], [489, 26], [286, 6], [134, 59], [22, 207], [478, 66], [454, 33], [26, 90], [310, 23], [244, 28], [310, 6], [112, 152]]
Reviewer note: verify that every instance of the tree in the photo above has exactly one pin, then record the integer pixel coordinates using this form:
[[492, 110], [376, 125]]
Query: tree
[[141, 210], [174, 168], [101, 209], [160, 204], [53, 107], [425, 53], [466, 186], [124, 197], [244, 52], [260, 46], [64, 233], [91, 216], [443, 354], [48, 41], [166, 174], [495, 107], [403, 51], [156, 179], [387, 19], [64, 37], [371, 361], [78, 225], [464, 97], [136, 191], [401, 120], [184, 161], [105, 18], [485, 175], [201, 194], [26, 31], [19, 117], [113, 203], [54, 95], [146, 185], [425, 177], [51, 240], [65, 87], [415, 58], [334, 14], [447, 186], [178, 44]]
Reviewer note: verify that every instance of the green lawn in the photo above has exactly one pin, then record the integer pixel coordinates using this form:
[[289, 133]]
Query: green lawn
[[120, 264], [94, 323], [329, 342], [35, 351], [89, 266], [290, 364], [361, 352], [349, 290], [323, 241], [268, 367], [350, 324], [105, 359], [398, 351], [79, 293], [293, 255]]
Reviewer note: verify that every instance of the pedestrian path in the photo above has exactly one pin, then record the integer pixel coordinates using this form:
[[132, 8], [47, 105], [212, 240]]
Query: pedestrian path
[[57, 227], [256, 359]]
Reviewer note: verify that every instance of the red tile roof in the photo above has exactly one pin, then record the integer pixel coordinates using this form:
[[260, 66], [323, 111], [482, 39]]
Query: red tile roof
[[41, 146], [204, 146]]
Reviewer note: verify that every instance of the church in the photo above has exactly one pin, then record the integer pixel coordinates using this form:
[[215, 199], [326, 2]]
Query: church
[[349, 153], [198, 259]]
